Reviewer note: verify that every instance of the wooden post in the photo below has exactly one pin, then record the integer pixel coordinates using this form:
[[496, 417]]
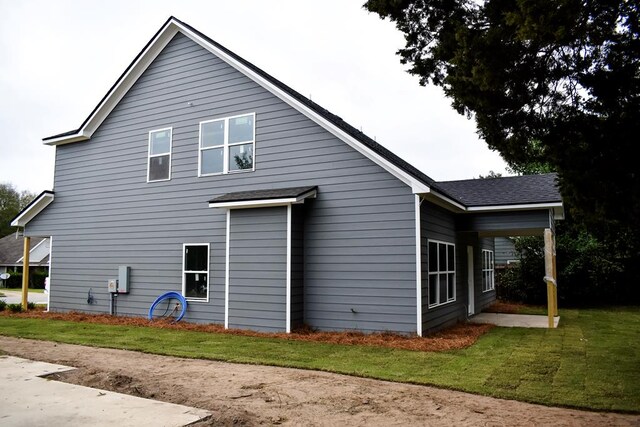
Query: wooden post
[[25, 272], [555, 277], [548, 273]]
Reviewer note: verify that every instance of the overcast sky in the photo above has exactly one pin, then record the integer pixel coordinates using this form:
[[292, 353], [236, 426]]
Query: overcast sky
[[59, 58]]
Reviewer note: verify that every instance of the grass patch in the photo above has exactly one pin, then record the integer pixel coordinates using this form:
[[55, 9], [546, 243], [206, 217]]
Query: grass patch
[[590, 361]]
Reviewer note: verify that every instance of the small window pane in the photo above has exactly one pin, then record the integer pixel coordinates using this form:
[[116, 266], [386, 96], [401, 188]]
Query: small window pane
[[158, 168], [212, 161], [443, 288], [195, 258], [241, 129], [195, 285], [433, 287], [240, 157], [160, 142], [451, 258], [212, 134], [451, 284], [433, 256], [442, 256]]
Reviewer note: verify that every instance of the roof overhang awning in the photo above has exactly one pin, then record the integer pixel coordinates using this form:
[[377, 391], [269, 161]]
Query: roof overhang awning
[[264, 198], [38, 204]]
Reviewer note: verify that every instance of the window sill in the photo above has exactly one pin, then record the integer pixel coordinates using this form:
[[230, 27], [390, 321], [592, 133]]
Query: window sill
[[225, 173], [441, 304]]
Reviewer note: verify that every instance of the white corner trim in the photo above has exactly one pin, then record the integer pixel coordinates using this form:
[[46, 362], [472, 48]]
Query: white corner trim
[[226, 273], [288, 279], [418, 268], [33, 209]]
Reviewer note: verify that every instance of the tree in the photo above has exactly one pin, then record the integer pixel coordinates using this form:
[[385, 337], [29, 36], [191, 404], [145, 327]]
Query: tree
[[548, 82], [11, 203]]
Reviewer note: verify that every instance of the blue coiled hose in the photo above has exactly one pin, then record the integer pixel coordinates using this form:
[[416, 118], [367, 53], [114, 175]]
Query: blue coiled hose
[[170, 295]]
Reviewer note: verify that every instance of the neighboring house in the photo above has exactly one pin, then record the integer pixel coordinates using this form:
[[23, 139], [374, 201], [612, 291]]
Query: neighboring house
[[505, 248], [205, 175], [12, 251]]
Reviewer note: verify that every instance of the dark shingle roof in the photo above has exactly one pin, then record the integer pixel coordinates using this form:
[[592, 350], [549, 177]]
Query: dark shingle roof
[[277, 193], [510, 190], [11, 249]]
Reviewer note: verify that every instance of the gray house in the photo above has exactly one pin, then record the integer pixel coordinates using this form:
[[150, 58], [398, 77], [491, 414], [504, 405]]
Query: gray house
[[206, 176]]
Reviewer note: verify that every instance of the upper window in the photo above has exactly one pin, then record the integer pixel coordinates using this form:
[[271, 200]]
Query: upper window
[[227, 145], [159, 167], [442, 273], [488, 272], [195, 271]]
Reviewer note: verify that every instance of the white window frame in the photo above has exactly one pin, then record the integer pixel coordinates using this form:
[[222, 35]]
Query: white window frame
[[184, 272], [226, 146], [437, 274], [488, 271], [149, 155]]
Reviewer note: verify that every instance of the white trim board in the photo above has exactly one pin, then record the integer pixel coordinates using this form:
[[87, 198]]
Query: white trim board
[[33, 209]]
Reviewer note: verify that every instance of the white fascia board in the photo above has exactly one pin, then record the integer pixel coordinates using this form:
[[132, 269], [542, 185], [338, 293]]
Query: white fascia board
[[524, 206], [330, 127], [32, 211], [123, 86]]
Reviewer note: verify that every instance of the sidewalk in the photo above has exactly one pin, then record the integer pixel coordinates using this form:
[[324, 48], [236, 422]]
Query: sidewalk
[[15, 297], [27, 399]]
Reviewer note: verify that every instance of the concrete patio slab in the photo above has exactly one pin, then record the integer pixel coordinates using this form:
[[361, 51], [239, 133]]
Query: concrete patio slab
[[27, 399], [514, 320]]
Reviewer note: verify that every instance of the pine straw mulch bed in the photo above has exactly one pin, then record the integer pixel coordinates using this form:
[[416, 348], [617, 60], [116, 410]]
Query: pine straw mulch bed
[[457, 337]]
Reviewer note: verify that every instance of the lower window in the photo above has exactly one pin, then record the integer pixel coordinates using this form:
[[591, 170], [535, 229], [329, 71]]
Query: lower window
[[442, 273], [488, 272], [195, 271]]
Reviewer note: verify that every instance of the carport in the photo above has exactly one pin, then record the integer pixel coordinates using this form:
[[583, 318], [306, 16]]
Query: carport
[[511, 207]]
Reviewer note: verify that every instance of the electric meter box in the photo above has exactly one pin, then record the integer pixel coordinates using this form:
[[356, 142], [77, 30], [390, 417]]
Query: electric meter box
[[112, 286], [123, 279]]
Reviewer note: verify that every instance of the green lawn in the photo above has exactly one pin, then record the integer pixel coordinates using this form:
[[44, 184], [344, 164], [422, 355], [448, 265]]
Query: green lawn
[[591, 361]]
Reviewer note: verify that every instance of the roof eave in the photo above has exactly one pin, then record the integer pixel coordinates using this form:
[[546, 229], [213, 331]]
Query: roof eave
[[121, 87], [33, 209]]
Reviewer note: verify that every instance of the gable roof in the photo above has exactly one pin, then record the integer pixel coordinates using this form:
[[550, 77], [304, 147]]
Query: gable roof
[[334, 124], [12, 249], [30, 211], [419, 182]]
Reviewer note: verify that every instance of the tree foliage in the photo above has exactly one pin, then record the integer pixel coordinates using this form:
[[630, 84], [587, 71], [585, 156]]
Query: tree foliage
[[548, 82], [12, 202]]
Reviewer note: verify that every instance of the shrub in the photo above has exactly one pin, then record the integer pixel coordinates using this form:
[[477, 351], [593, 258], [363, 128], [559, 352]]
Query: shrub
[[15, 308], [3, 304]]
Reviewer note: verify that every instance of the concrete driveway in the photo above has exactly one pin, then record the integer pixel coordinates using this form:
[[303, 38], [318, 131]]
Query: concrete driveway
[[15, 297], [27, 399]]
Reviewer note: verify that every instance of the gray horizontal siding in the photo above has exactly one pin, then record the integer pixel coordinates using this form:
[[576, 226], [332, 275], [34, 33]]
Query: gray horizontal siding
[[105, 213], [297, 266], [439, 224], [258, 303], [483, 299], [503, 223], [505, 250]]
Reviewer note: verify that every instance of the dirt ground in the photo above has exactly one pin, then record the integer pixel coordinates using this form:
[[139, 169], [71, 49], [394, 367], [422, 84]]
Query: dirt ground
[[261, 395]]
